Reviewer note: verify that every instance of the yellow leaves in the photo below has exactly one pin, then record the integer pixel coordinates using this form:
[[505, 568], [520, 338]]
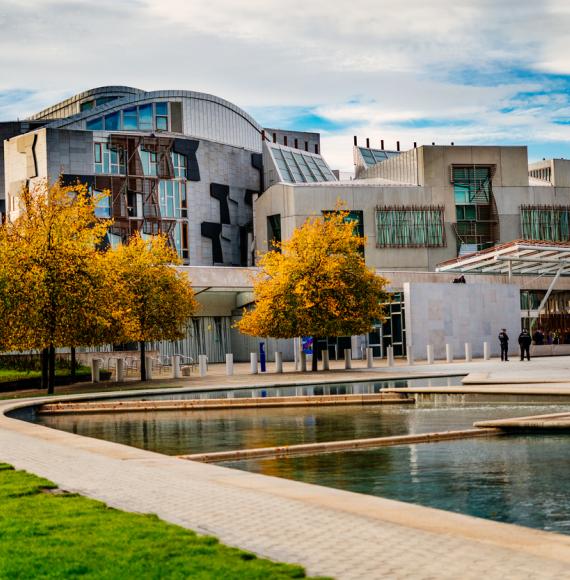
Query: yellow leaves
[[318, 284], [57, 287]]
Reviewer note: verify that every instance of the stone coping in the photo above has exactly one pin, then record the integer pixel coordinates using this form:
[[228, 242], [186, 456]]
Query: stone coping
[[333, 532], [534, 422], [334, 446]]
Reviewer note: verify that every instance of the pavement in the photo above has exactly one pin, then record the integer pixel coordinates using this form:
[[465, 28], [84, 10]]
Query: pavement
[[331, 532]]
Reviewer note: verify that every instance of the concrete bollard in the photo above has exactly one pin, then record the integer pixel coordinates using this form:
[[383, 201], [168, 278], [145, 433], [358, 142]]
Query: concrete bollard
[[410, 354], [95, 370], [120, 368], [429, 349], [370, 358], [148, 361], [390, 356], [278, 362], [229, 364], [449, 353], [468, 355], [253, 363], [486, 351], [303, 362], [326, 363], [176, 366], [203, 364], [347, 358]]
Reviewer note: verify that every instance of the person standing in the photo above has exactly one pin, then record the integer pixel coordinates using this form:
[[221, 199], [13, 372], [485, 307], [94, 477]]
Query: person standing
[[524, 342], [504, 342]]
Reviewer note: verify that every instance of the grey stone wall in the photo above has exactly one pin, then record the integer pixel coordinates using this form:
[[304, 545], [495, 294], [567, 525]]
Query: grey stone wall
[[437, 314]]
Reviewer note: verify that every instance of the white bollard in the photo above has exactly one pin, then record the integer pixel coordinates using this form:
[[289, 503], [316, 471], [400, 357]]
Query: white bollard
[[449, 353], [95, 370], [390, 356], [347, 358], [278, 362], [229, 364], [370, 357], [253, 363], [203, 364], [303, 361], [326, 363], [120, 368], [410, 354], [486, 351], [176, 366], [148, 361], [468, 355], [429, 354]]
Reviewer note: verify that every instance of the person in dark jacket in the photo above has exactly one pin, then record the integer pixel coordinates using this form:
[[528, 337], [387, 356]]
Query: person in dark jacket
[[524, 342], [504, 342]]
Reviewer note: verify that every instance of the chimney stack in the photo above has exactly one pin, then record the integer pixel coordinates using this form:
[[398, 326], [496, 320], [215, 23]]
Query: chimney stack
[[415, 145], [382, 144], [397, 145], [367, 143], [355, 141]]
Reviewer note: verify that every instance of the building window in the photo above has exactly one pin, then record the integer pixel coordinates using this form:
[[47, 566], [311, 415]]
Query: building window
[[179, 165], [545, 222], [95, 124], [145, 117], [112, 121], [110, 161], [353, 216], [86, 106], [103, 207], [161, 116], [149, 161], [170, 193], [476, 218], [273, 231], [130, 119], [410, 227]]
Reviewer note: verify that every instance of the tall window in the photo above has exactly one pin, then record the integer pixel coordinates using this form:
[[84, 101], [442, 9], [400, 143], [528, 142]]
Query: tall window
[[545, 222], [273, 231], [474, 207], [179, 165], [410, 227], [109, 160], [149, 160], [170, 193]]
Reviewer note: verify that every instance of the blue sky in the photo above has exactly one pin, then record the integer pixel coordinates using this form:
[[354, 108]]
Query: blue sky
[[474, 72]]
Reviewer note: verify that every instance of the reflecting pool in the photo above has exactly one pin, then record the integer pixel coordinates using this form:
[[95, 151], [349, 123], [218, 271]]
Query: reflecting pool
[[518, 479], [184, 432]]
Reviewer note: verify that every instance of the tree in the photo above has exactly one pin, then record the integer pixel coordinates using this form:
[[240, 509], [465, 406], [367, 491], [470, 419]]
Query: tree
[[316, 284], [55, 287], [159, 298]]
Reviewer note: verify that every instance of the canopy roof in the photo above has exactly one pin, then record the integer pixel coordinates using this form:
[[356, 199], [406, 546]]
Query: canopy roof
[[519, 257]]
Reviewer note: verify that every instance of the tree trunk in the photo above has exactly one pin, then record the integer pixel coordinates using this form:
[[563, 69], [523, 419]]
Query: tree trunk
[[73, 364], [316, 352], [143, 361], [51, 370], [45, 364]]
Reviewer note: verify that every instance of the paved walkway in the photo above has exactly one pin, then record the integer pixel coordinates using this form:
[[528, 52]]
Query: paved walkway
[[331, 532]]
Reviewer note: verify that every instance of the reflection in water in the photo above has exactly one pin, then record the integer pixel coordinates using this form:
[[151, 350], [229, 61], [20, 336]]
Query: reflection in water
[[517, 479], [182, 432]]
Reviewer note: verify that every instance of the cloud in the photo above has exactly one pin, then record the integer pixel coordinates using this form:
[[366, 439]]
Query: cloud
[[473, 71]]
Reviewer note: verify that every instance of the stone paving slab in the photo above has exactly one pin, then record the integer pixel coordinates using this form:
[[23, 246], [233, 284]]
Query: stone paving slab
[[331, 532]]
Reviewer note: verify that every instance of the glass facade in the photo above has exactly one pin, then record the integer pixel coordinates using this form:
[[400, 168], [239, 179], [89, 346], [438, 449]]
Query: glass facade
[[373, 156], [544, 222], [300, 167], [110, 161], [410, 227], [476, 218], [147, 117]]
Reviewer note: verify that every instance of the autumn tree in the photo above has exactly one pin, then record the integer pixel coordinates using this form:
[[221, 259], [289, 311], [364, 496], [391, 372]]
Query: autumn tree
[[54, 291], [159, 298], [316, 284]]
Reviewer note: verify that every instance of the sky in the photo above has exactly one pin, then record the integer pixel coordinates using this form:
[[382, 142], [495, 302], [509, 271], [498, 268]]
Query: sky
[[473, 72]]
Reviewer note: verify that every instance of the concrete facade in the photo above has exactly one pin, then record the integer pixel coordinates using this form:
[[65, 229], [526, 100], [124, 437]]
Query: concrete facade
[[440, 314]]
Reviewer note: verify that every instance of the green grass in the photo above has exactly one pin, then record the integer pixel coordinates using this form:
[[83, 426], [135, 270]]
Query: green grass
[[14, 375], [45, 535]]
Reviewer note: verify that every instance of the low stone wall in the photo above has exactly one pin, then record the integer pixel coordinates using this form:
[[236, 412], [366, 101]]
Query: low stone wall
[[550, 350]]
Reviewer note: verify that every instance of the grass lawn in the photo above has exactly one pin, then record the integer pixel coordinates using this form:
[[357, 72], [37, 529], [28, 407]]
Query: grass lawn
[[13, 374], [46, 535]]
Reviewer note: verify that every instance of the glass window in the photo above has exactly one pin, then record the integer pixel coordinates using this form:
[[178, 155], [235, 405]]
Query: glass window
[[87, 106], [105, 100], [107, 160], [169, 198], [97, 152], [162, 123], [145, 117], [130, 119], [161, 108], [112, 121], [179, 164], [95, 124], [149, 162], [544, 222], [410, 227], [103, 207]]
